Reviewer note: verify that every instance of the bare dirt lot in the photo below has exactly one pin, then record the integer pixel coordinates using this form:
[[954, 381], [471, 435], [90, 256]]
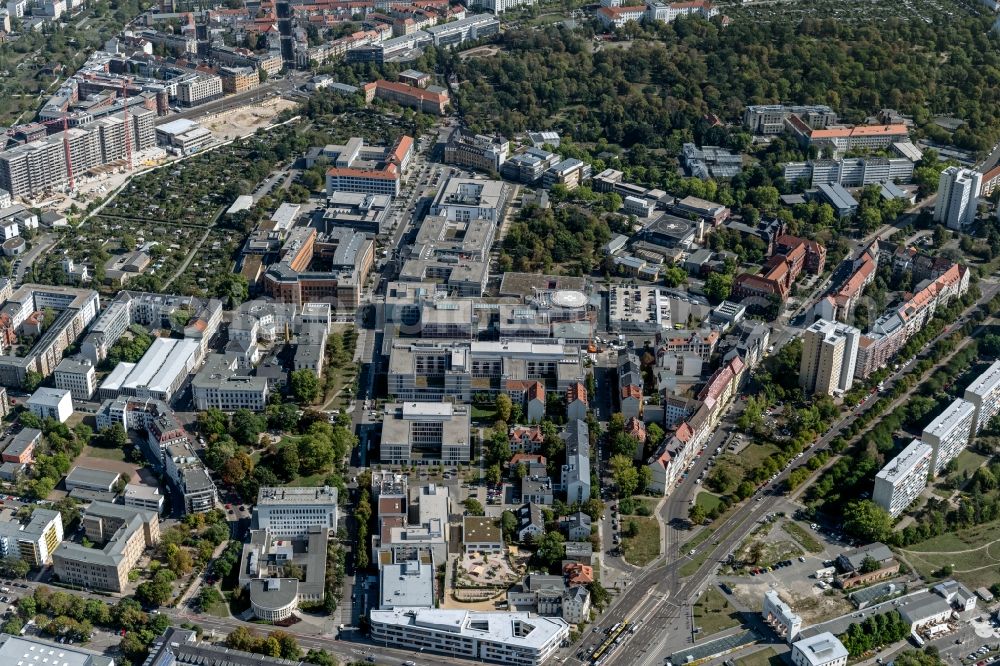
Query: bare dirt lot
[[245, 119]]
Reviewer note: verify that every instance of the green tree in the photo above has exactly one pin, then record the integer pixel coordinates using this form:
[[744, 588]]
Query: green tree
[[867, 520], [305, 386], [504, 407], [718, 287], [625, 475], [551, 549], [474, 507], [32, 380], [696, 514], [493, 474], [245, 427], [288, 461]]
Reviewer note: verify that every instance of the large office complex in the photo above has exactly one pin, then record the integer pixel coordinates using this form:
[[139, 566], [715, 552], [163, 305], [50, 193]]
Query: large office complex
[[185, 469], [158, 374], [428, 101], [425, 433], [467, 199], [153, 311], [903, 479], [291, 512], [367, 169], [984, 393], [770, 118], [957, 197], [476, 151], [950, 433], [829, 353], [43, 164], [221, 385], [24, 651], [121, 533], [850, 172], [516, 639]]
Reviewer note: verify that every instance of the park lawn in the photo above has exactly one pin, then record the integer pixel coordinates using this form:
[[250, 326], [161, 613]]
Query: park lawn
[[750, 457], [644, 547], [973, 554], [218, 610], [105, 453], [765, 657], [487, 414], [708, 501], [713, 613], [967, 462], [309, 481], [803, 537]]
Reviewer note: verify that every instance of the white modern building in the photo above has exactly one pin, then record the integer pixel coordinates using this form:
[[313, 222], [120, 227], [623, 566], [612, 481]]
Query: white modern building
[[51, 403], [221, 385], [984, 393], [424, 433], [77, 376], [950, 433], [829, 356], [467, 199], [291, 512], [514, 639], [904, 478], [957, 197], [821, 650]]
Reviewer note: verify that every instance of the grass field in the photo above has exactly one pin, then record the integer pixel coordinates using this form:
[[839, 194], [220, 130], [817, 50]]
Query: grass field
[[967, 462], [692, 565], [713, 613], [644, 547], [765, 657], [707, 501], [805, 539], [973, 554], [105, 454]]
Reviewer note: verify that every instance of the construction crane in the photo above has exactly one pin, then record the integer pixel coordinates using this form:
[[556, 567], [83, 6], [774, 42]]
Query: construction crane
[[65, 129], [126, 128]]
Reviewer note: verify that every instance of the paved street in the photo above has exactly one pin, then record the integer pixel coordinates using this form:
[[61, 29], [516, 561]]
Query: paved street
[[659, 597]]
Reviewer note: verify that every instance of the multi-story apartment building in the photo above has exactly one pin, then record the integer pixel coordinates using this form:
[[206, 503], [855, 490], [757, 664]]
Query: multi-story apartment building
[[891, 331], [515, 639], [238, 79], [34, 541], [903, 479], [76, 308], [196, 89], [576, 471], [78, 377], [984, 394], [957, 197], [950, 433], [501, 6], [125, 533], [220, 385], [424, 433], [829, 354], [291, 512]]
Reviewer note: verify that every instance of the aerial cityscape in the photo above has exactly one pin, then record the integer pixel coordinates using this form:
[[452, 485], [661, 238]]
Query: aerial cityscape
[[523, 332]]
